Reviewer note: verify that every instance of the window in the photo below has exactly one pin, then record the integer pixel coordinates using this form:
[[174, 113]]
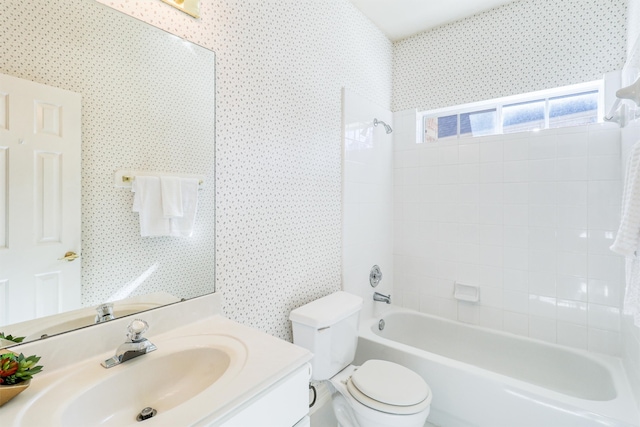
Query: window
[[478, 123], [573, 110], [447, 126], [523, 116], [569, 106]]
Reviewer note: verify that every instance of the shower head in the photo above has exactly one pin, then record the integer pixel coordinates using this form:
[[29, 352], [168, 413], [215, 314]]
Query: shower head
[[386, 126]]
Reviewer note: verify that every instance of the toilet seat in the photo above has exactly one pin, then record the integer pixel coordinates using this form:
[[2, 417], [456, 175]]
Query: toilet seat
[[389, 387]]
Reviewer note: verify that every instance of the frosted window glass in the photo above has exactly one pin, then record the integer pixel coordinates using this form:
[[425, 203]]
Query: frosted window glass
[[523, 116], [478, 123], [573, 110]]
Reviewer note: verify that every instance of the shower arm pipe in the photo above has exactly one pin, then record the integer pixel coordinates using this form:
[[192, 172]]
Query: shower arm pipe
[[631, 92], [387, 128]]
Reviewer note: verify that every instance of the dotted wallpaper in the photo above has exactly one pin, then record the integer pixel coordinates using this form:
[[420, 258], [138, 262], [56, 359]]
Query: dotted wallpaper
[[138, 112], [280, 69], [520, 47]]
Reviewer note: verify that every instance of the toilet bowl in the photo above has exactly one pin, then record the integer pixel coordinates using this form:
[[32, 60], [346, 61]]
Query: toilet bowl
[[377, 393], [380, 394]]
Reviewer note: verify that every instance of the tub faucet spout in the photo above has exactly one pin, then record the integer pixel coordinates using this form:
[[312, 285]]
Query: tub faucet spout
[[377, 296]]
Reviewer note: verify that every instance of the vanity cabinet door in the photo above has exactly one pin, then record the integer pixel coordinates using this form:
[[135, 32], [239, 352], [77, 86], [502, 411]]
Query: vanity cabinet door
[[284, 404]]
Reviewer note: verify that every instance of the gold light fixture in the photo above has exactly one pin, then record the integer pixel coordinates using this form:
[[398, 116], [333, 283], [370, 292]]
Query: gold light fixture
[[190, 7]]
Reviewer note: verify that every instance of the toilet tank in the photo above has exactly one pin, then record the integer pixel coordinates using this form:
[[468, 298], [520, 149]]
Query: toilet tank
[[328, 327]]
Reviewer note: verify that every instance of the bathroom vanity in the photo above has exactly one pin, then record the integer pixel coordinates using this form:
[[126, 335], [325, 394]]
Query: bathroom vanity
[[206, 371]]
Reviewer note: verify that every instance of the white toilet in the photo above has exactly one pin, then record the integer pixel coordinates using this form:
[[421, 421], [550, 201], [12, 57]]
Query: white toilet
[[376, 394]]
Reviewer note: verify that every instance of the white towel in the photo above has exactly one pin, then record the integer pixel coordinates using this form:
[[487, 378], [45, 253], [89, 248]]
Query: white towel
[[628, 236], [631, 304], [171, 196], [147, 201], [183, 226]]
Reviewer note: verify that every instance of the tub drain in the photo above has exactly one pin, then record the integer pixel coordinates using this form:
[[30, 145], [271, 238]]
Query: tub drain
[[146, 413], [381, 324]]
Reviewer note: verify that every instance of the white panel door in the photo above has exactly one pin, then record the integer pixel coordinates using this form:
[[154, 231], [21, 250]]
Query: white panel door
[[40, 140]]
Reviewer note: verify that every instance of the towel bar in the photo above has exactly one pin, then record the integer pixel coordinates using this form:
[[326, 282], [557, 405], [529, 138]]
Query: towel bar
[[123, 178], [127, 179]]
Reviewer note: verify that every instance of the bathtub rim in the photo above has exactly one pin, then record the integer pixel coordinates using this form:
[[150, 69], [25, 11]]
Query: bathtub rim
[[622, 408]]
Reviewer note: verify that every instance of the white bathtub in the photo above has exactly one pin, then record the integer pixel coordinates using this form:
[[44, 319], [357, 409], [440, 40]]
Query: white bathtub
[[485, 378]]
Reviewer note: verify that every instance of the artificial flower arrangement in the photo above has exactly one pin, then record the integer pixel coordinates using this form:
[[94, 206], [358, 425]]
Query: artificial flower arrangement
[[16, 371], [11, 338], [15, 368]]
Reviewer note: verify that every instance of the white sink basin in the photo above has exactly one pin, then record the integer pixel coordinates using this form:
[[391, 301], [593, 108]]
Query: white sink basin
[[180, 369]]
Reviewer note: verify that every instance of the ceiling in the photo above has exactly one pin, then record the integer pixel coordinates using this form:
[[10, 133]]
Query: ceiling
[[399, 19]]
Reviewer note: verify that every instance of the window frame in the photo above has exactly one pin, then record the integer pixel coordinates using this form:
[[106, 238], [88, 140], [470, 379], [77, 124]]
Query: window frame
[[498, 103]]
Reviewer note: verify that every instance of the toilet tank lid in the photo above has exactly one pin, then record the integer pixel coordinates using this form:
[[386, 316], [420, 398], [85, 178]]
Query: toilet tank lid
[[327, 310]]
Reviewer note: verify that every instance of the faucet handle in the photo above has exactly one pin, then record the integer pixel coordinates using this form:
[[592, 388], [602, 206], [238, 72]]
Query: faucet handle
[[136, 328], [105, 309], [104, 312]]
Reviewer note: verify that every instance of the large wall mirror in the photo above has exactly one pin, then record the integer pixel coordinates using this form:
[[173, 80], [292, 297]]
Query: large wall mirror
[[147, 103]]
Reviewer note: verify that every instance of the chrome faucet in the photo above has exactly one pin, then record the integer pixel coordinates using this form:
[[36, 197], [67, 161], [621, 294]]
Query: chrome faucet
[[377, 296], [135, 345], [105, 313]]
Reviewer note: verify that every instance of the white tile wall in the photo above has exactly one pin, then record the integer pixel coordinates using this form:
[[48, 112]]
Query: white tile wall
[[528, 218], [367, 199]]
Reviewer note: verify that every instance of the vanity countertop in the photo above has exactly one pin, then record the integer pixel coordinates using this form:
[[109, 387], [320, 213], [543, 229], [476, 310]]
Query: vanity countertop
[[265, 360]]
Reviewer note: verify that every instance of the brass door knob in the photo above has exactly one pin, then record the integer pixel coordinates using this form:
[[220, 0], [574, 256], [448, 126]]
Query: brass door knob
[[69, 256]]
